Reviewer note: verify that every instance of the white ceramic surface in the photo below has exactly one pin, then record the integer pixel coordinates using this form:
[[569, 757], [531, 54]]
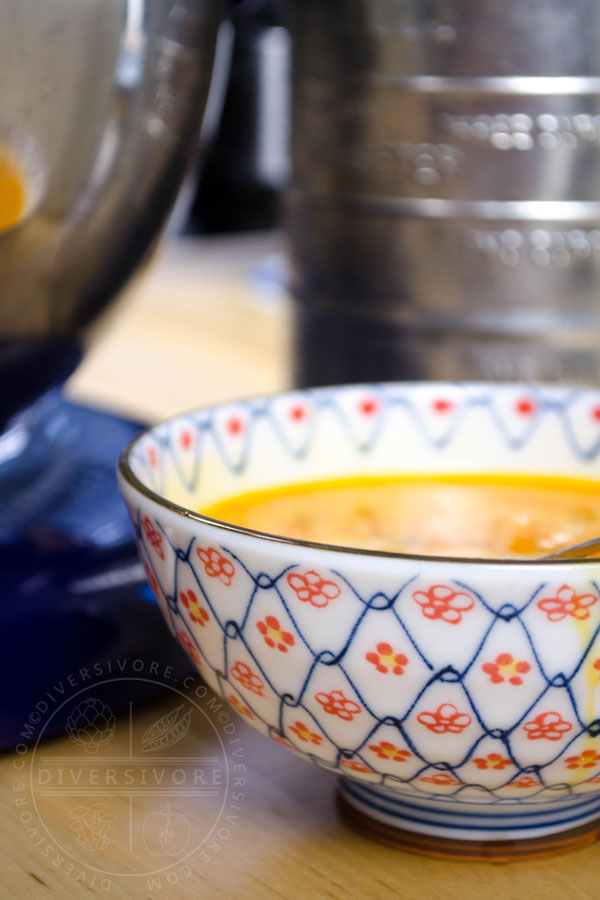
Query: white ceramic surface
[[459, 697]]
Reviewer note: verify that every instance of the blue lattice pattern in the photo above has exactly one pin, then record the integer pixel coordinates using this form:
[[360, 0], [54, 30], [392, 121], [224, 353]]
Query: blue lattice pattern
[[428, 687], [467, 681]]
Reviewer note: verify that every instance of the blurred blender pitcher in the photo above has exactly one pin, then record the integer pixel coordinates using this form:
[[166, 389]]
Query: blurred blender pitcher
[[444, 218], [100, 110]]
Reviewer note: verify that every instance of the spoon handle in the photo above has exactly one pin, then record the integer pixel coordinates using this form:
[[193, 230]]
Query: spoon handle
[[586, 550]]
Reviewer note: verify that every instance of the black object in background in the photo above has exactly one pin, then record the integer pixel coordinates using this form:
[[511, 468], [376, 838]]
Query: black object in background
[[247, 165]]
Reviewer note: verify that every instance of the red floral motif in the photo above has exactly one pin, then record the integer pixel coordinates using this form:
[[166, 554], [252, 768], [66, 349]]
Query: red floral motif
[[216, 565], [492, 761], [153, 536], [274, 634], [445, 719], [234, 426], [567, 603], [313, 589], [283, 742], [196, 612], [595, 413], [369, 406], [241, 707], [305, 734], [189, 646], [151, 579], [186, 439], [357, 766], [388, 751], [549, 726], [525, 781], [385, 660], [336, 704], [443, 602], [597, 665], [595, 780], [525, 406], [588, 759], [153, 457], [506, 668], [247, 678], [442, 405], [297, 413], [441, 778]]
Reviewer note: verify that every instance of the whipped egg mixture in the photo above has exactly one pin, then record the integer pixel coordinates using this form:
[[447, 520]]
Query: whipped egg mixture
[[493, 516]]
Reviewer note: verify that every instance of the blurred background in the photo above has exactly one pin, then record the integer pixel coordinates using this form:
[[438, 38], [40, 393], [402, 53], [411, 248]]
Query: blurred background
[[256, 195]]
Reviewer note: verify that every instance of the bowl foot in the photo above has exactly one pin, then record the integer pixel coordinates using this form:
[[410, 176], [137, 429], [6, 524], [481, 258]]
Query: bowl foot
[[391, 820]]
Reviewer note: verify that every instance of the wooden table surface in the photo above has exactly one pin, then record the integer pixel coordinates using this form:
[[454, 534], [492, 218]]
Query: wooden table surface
[[203, 324]]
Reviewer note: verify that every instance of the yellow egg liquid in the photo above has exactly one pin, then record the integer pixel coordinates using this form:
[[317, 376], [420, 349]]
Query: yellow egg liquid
[[490, 516], [12, 192]]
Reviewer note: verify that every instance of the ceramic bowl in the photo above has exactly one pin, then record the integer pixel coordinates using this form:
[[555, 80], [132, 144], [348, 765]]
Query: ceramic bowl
[[458, 700]]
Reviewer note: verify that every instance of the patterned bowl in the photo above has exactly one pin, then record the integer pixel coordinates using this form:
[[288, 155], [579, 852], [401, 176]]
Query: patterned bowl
[[458, 699]]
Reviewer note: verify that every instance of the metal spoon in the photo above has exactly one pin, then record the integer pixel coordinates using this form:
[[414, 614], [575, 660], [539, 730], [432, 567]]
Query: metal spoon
[[585, 550]]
